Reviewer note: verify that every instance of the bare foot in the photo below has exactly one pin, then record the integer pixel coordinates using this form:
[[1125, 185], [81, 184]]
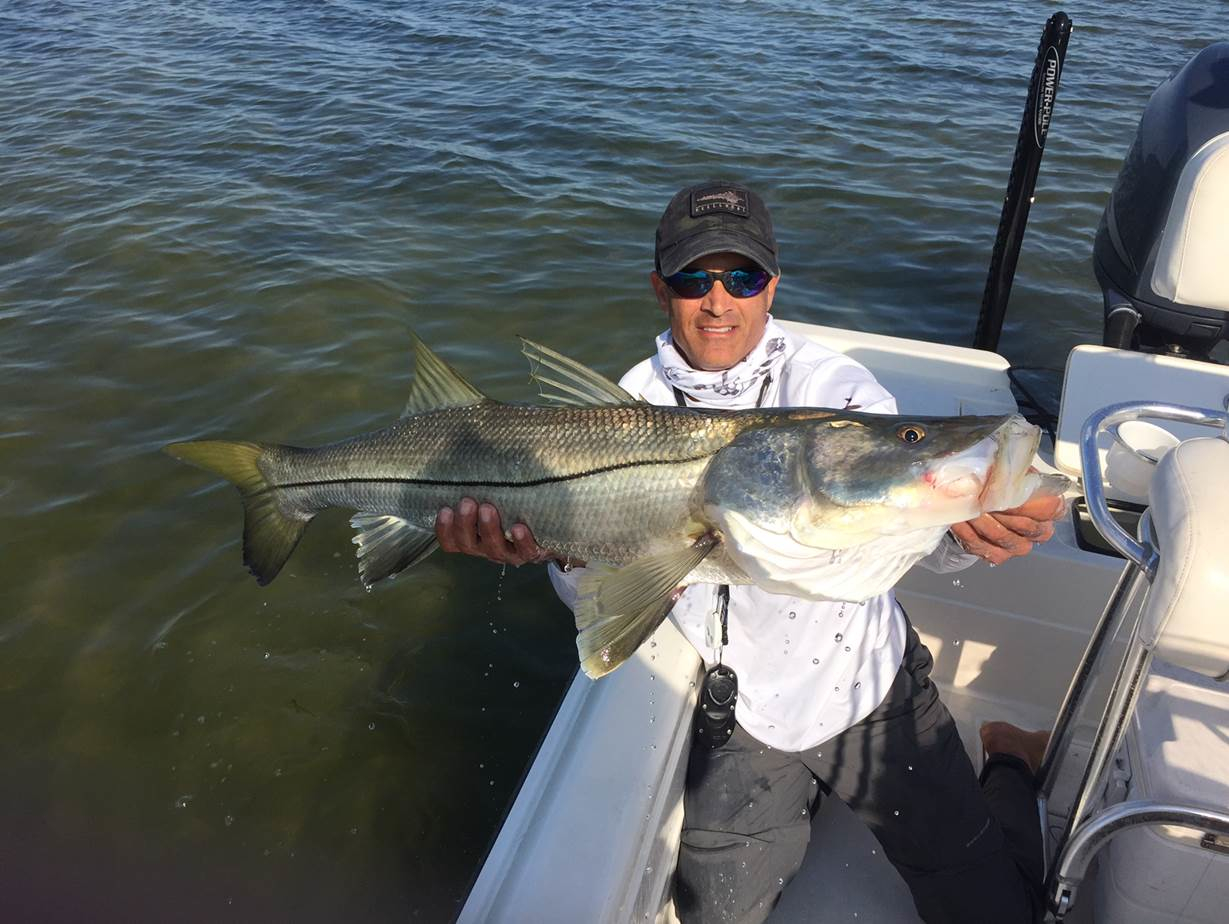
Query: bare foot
[[1005, 738]]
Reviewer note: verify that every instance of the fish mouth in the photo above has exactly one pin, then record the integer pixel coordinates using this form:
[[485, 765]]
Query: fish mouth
[[988, 472], [1007, 484]]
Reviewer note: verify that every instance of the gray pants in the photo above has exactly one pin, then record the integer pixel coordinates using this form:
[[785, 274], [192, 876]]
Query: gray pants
[[968, 852]]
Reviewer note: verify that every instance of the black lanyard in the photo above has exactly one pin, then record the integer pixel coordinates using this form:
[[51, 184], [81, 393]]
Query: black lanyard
[[723, 590]]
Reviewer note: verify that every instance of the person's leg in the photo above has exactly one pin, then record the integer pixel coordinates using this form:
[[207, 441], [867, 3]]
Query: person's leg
[[746, 823], [905, 772], [1008, 781]]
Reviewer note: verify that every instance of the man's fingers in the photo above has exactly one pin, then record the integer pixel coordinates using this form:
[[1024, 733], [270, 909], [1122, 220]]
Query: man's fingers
[[527, 549], [475, 529], [986, 538], [1031, 529], [1043, 507], [443, 529]]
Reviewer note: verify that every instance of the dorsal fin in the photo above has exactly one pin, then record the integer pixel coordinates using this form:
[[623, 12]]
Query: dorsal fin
[[437, 385], [565, 381]]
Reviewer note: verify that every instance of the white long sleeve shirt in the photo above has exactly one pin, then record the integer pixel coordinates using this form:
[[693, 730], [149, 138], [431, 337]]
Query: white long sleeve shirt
[[807, 669]]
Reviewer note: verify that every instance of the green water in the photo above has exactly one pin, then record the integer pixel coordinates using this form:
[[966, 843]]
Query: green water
[[225, 219]]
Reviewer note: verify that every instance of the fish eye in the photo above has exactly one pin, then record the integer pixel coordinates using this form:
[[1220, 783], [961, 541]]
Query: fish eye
[[911, 433]]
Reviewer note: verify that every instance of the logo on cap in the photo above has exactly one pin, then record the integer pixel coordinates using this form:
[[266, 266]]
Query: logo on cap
[[719, 199]]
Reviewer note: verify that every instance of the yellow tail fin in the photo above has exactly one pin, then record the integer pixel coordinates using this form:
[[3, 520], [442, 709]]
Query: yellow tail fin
[[269, 534]]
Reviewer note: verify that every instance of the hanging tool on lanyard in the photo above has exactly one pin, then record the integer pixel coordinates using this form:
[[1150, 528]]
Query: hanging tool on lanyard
[[719, 690]]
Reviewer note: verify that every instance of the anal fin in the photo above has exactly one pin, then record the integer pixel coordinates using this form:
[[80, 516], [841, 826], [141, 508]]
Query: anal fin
[[618, 608], [388, 545]]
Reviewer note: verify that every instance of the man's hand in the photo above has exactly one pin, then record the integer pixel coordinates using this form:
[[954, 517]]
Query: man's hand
[[476, 529], [1006, 534]]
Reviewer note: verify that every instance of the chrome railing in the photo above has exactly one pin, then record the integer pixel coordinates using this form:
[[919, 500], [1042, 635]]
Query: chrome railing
[[1087, 830]]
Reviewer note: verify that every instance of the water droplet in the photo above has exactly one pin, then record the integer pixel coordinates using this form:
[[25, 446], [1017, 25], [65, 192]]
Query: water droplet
[[815, 660], [182, 801], [780, 881], [371, 726], [957, 642], [857, 685], [839, 636], [652, 719], [838, 689], [516, 684], [896, 813], [846, 647], [200, 720], [354, 830], [909, 768], [277, 772], [692, 685], [228, 820], [956, 582], [648, 869], [874, 852], [793, 615], [653, 644]]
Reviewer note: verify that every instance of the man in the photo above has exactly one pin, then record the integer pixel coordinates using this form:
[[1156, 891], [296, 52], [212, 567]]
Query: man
[[832, 696]]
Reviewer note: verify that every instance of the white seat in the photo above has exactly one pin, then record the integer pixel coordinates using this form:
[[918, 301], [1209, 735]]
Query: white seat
[[1186, 616]]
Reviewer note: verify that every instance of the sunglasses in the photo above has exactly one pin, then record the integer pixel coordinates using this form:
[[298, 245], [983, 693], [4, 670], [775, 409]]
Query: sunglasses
[[740, 283]]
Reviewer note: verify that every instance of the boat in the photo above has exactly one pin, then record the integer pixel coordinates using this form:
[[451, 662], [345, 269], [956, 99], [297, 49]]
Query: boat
[[1114, 634]]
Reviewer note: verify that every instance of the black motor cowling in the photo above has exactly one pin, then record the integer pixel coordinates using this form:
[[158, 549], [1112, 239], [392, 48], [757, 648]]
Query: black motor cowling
[[1162, 250]]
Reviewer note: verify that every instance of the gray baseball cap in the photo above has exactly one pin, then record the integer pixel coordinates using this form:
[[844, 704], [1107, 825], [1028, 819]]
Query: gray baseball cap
[[714, 217]]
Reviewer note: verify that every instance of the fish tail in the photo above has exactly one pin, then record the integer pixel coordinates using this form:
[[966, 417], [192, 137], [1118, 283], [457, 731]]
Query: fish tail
[[269, 534]]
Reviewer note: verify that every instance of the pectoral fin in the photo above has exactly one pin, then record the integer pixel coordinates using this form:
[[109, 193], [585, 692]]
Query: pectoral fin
[[388, 545], [618, 608]]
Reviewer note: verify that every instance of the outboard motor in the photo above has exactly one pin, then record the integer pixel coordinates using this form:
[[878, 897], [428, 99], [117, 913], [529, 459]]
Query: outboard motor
[[1162, 250]]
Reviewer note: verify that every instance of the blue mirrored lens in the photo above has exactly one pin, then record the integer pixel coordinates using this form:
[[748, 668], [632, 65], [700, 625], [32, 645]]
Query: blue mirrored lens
[[690, 285], [745, 283], [741, 283]]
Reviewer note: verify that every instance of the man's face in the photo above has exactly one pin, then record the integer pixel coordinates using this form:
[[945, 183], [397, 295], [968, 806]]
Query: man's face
[[717, 330]]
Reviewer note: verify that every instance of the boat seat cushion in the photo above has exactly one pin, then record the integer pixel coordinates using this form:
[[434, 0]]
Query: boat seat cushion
[[1186, 614]]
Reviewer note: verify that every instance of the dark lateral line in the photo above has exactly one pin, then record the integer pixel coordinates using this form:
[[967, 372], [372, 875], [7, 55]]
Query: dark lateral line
[[537, 482]]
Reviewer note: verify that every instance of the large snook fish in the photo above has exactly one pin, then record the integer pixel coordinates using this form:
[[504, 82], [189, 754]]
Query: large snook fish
[[810, 502]]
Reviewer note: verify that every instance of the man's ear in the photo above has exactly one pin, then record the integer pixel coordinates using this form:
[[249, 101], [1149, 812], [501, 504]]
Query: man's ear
[[661, 290], [772, 288]]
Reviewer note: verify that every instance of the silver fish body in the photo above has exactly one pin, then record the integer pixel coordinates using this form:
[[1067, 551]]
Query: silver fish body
[[654, 497], [603, 484]]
